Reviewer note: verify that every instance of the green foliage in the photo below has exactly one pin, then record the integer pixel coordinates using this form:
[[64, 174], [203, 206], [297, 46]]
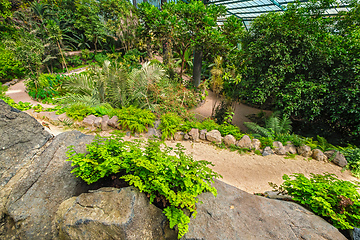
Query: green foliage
[[135, 119], [10, 68], [78, 111], [327, 196], [170, 124], [352, 155], [46, 86], [152, 169], [226, 129], [274, 127]]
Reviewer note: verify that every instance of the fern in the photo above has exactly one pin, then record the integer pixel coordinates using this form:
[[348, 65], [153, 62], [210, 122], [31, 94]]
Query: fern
[[170, 124], [259, 131]]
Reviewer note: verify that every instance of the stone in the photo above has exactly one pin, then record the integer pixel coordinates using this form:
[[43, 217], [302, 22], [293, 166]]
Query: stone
[[290, 148], [214, 136], [89, 121], [104, 122], [97, 122], [277, 195], [336, 157], [244, 142], [113, 122], [178, 136], [279, 148], [110, 213], [235, 214], [194, 134], [30, 198], [304, 151], [319, 155], [157, 123], [62, 117], [202, 134], [186, 136], [229, 140], [255, 144], [153, 133], [267, 151]]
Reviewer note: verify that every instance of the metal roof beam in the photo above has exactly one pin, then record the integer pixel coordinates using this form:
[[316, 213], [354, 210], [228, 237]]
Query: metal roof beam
[[229, 1], [277, 4]]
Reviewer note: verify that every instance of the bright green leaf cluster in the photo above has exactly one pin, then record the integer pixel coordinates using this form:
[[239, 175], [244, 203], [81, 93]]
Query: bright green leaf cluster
[[153, 168], [135, 119], [326, 196]]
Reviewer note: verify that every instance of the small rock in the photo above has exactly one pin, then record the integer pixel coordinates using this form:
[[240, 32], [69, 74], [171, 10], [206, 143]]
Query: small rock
[[203, 134], [279, 148], [255, 144], [214, 136], [244, 142], [128, 134], [113, 122], [186, 136], [179, 136], [62, 117], [89, 121], [97, 122], [104, 122], [194, 134], [267, 151], [319, 155], [290, 148], [337, 158], [304, 151], [157, 123], [153, 133], [229, 140]]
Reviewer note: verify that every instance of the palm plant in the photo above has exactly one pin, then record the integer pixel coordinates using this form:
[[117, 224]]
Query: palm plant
[[274, 127]]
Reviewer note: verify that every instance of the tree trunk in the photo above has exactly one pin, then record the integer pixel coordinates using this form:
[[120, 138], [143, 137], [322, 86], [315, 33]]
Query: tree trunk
[[62, 55], [197, 66]]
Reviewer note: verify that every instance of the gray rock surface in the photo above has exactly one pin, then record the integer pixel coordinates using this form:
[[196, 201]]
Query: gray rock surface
[[194, 134], [304, 151], [202, 134], [237, 215], [267, 151], [30, 198], [229, 140], [319, 155], [111, 213], [244, 142], [97, 122], [214, 136], [186, 136], [153, 133], [336, 157]]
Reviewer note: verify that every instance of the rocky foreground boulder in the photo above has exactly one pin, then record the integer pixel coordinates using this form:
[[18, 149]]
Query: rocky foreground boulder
[[235, 214]]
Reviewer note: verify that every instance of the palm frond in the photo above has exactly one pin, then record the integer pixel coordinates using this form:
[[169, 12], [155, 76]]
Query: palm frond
[[263, 132]]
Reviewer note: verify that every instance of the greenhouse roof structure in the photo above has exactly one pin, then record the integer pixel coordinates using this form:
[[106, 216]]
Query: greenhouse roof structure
[[248, 10]]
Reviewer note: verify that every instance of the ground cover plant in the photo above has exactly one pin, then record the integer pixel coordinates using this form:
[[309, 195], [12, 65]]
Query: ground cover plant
[[150, 167], [336, 200]]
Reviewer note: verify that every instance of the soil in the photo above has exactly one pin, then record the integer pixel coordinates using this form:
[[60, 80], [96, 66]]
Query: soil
[[249, 172]]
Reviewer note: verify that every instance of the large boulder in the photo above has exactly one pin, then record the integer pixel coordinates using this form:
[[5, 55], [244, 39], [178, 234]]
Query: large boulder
[[305, 151], [336, 157], [319, 155], [111, 213], [229, 140], [194, 134], [235, 214], [30, 197]]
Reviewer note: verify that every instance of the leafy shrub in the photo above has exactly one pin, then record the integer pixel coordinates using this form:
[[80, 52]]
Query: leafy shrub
[[135, 119], [103, 109], [46, 86], [170, 124], [327, 196], [74, 60], [226, 129], [152, 169], [352, 155], [78, 111], [10, 68]]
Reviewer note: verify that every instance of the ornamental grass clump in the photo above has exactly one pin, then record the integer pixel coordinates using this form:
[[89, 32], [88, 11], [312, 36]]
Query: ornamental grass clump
[[152, 167]]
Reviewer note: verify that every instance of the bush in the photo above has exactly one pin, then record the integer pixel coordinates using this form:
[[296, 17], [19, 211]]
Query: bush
[[46, 86], [10, 68], [327, 196], [78, 111], [152, 169], [170, 124], [135, 119], [352, 155]]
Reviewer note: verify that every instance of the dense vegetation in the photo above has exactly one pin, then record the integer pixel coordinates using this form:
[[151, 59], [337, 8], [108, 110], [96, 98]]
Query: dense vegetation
[[297, 62]]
